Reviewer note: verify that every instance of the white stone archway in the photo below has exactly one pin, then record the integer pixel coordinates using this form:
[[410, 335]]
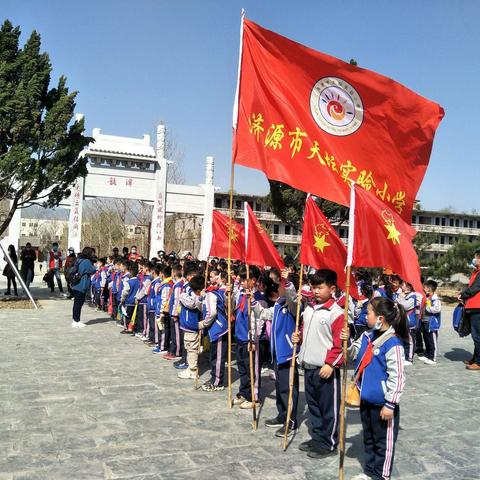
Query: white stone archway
[[130, 168]]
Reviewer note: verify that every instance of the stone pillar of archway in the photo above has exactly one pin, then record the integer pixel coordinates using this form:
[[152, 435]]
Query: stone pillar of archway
[[207, 210], [157, 232], [75, 218]]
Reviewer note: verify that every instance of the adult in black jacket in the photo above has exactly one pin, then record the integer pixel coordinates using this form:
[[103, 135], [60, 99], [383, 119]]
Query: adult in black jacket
[[28, 258]]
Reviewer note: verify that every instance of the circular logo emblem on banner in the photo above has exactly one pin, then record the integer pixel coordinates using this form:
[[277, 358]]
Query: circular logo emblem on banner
[[336, 106]]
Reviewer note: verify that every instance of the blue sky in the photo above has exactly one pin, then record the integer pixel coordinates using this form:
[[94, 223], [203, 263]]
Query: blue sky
[[136, 62]]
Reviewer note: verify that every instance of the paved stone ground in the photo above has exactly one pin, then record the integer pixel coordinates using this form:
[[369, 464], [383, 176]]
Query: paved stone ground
[[93, 404]]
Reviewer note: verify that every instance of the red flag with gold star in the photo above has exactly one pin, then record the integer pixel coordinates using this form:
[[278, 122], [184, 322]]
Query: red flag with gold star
[[321, 246], [319, 124], [259, 248], [221, 232], [378, 237]]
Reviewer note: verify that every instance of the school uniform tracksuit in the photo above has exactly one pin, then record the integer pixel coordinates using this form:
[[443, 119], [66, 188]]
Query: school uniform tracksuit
[[152, 295], [215, 320], [162, 318], [381, 385], [410, 302], [321, 345], [430, 325], [176, 343], [247, 331], [142, 302], [129, 290], [190, 312], [282, 319]]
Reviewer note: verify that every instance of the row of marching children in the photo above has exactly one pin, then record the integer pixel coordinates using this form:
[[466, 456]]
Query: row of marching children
[[170, 307]]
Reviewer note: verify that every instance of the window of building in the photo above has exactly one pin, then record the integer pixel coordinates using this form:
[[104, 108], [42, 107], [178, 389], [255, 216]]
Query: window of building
[[218, 203], [238, 204], [470, 223], [452, 223], [437, 220], [442, 240], [457, 222], [287, 229], [478, 223], [444, 221], [276, 229]]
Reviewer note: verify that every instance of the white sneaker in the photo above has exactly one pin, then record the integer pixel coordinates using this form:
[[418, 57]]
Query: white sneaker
[[422, 358], [138, 335], [187, 374], [427, 361], [79, 324], [407, 363]]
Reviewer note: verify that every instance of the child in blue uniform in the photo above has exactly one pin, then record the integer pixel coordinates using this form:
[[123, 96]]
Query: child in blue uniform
[[215, 321], [430, 323], [380, 377], [408, 299], [190, 314], [247, 335], [282, 317], [131, 285]]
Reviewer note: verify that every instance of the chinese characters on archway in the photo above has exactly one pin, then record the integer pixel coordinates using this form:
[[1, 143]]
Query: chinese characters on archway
[[277, 136], [77, 198]]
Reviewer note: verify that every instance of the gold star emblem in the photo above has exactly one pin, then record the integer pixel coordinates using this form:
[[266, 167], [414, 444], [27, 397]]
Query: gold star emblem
[[232, 233], [320, 242], [393, 233], [260, 229]]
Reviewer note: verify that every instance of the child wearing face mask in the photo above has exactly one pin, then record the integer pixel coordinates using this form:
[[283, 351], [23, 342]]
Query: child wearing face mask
[[379, 375], [430, 323]]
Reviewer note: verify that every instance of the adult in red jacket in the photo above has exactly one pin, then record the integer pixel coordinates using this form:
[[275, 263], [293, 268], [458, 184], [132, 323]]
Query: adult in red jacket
[[133, 256], [55, 265], [470, 296]]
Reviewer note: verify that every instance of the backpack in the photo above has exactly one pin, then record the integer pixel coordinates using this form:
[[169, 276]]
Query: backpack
[[460, 321], [74, 276]]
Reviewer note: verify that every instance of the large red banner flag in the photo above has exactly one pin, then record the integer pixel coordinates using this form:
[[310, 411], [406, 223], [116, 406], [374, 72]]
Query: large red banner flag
[[378, 237], [259, 248], [222, 232], [321, 246], [319, 124]]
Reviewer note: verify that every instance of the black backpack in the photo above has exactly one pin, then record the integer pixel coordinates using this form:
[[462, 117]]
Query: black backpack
[[74, 276]]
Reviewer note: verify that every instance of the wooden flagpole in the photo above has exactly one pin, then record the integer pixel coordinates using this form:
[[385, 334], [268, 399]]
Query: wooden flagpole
[[232, 173], [250, 353], [294, 359], [351, 236], [341, 472], [229, 291], [200, 335]]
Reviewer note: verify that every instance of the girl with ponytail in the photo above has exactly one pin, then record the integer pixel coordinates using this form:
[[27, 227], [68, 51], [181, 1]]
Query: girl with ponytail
[[379, 375]]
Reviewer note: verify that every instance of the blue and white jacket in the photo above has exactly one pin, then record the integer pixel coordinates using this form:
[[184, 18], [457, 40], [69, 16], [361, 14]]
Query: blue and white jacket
[[409, 302], [214, 313], [282, 316], [190, 310], [152, 292], [383, 380], [432, 313], [360, 315], [163, 297], [175, 298], [130, 289]]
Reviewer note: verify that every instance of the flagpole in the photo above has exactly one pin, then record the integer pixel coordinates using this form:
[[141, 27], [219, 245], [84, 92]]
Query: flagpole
[[250, 352], [229, 290], [351, 236], [292, 365], [200, 333], [232, 173]]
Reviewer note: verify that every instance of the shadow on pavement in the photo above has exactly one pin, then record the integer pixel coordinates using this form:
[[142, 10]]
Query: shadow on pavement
[[458, 355]]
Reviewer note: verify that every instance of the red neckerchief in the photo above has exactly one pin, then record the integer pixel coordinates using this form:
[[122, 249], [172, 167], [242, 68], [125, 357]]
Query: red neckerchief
[[212, 288], [324, 306]]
